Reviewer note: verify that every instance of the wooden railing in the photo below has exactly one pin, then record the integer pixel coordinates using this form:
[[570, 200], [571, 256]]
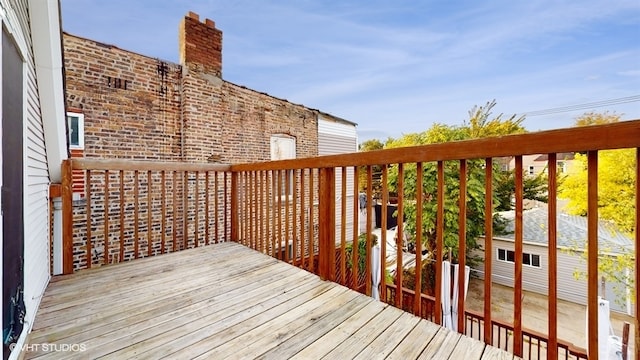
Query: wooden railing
[[535, 344], [133, 209], [297, 211], [307, 212]]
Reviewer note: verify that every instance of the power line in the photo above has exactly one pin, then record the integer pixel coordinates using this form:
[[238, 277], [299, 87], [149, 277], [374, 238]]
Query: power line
[[584, 106]]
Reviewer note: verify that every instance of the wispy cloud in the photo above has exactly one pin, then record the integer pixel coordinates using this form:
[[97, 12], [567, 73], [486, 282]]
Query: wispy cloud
[[404, 63]]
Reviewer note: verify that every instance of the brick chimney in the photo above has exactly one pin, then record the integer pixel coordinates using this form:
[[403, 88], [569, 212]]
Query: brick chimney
[[201, 43]]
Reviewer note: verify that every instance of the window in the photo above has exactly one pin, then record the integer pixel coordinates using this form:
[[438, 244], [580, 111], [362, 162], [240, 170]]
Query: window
[[531, 170], [527, 258], [75, 121], [284, 147], [561, 167]]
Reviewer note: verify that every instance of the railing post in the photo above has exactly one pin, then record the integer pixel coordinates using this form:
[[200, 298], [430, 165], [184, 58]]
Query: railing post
[[67, 217], [592, 254], [234, 206], [327, 226]]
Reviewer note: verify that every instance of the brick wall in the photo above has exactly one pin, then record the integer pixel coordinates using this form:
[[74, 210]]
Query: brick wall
[[138, 107], [131, 102]]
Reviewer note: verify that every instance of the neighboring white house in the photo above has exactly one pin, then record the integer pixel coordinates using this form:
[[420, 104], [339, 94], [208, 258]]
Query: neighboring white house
[[33, 145], [338, 136], [534, 165], [571, 234]]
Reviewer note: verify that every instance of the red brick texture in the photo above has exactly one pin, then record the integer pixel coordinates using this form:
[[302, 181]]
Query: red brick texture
[[201, 43], [141, 108]]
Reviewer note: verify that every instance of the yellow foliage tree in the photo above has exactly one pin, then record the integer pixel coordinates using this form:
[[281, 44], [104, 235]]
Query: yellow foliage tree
[[616, 203]]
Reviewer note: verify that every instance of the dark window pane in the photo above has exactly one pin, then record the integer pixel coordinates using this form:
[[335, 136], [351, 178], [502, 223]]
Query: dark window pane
[[511, 256], [501, 254], [74, 134], [535, 260], [526, 259]]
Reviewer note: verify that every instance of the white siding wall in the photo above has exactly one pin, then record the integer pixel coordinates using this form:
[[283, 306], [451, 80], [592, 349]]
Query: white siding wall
[[536, 279], [36, 175], [339, 138]]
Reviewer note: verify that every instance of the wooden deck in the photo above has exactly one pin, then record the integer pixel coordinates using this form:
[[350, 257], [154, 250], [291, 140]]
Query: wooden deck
[[227, 301]]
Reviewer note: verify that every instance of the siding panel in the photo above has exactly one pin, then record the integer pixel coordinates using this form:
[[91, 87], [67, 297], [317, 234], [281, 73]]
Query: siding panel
[[36, 174], [536, 279], [337, 138]]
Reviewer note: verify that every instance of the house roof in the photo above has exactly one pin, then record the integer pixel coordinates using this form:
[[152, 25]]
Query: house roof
[[560, 156], [571, 231]]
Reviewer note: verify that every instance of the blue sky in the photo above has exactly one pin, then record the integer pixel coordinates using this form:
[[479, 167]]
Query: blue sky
[[399, 66]]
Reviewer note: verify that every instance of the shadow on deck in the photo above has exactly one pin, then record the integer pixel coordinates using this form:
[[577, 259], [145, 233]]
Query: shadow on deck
[[228, 301]]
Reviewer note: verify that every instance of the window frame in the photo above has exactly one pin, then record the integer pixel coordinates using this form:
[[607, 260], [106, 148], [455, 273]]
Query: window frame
[[283, 173], [504, 257], [80, 117], [532, 170]]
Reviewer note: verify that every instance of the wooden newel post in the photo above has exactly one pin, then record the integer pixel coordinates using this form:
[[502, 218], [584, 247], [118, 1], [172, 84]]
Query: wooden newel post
[[234, 206], [67, 217], [327, 224]]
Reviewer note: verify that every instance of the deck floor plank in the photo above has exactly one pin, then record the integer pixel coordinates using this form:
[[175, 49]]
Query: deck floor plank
[[179, 305], [390, 338], [353, 345], [415, 342], [442, 345], [227, 301], [325, 344], [204, 333]]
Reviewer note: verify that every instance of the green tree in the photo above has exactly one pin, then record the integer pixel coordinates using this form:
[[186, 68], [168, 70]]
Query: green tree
[[376, 170], [480, 124], [616, 196], [533, 188]]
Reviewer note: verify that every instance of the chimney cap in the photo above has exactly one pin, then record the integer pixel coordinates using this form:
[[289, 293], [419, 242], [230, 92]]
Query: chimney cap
[[193, 15]]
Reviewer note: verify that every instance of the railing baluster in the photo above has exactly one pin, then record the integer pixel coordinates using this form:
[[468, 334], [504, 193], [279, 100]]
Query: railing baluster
[[206, 207], [399, 236], [552, 189], [89, 221], [294, 217], [175, 210], [163, 215], [216, 208], [149, 209], [121, 176], [592, 253], [417, 302], [287, 189], [255, 211], [517, 286], [262, 234], [312, 248], [228, 211], [343, 225], [303, 211], [488, 246], [367, 268], [275, 233], [185, 210], [106, 217], [135, 214], [383, 241], [439, 242], [354, 241], [637, 262], [462, 244], [196, 220]]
